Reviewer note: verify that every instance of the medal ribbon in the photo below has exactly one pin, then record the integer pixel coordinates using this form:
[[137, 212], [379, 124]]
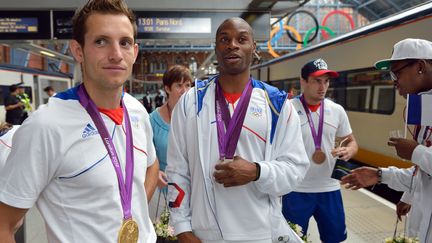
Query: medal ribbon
[[125, 187], [228, 141], [317, 137]]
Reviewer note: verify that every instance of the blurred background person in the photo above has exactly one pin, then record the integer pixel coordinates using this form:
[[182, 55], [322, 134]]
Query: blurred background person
[[25, 99], [49, 90], [14, 107], [147, 102], [176, 80]]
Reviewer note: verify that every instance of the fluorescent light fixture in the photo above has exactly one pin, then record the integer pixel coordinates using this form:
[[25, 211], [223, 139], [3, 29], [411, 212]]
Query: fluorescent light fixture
[[47, 53]]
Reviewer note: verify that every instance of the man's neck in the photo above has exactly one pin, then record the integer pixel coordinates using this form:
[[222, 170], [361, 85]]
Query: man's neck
[[311, 101], [105, 99], [234, 83]]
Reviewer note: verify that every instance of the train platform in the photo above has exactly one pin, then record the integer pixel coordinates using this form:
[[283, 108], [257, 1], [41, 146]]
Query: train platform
[[369, 219]]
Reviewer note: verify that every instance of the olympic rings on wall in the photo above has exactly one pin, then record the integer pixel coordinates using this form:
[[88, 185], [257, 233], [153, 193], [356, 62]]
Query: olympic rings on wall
[[314, 19], [275, 30], [327, 29], [350, 19]]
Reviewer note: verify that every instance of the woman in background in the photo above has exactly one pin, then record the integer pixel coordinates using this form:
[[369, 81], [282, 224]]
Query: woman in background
[[176, 80]]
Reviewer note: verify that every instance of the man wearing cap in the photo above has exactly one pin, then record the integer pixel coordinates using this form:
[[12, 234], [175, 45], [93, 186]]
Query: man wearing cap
[[322, 121], [411, 71]]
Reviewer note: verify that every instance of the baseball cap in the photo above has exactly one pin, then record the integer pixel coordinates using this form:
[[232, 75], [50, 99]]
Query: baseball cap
[[317, 68], [407, 49]]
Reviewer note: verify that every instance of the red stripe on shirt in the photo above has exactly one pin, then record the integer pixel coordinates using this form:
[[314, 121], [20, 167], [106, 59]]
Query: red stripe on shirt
[[3, 142], [255, 133], [135, 147]]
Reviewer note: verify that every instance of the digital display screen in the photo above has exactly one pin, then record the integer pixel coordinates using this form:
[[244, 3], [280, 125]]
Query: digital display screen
[[174, 25], [25, 25], [62, 24], [195, 25], [18, 25]]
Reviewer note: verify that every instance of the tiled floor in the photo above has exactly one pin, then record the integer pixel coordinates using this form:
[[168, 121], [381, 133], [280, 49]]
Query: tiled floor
[[368, 220]]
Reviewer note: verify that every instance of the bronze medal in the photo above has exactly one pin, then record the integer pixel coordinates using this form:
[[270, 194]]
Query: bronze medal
[[318, 157], [128, 232]]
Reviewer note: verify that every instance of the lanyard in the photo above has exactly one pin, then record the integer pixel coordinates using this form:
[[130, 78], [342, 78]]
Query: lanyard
[[317, 137], [228, 141], [125, 187]]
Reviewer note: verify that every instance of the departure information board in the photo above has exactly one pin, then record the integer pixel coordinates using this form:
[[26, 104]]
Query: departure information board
[[62, 24], [195, 25], [18, 25], [174, 25], [27, 25]]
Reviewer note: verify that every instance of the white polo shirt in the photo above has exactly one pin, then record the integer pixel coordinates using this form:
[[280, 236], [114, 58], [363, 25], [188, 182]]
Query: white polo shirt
[[336, 124], [59, 162]]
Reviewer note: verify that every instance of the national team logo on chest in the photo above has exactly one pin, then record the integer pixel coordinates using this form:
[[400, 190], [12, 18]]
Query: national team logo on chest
[[255, 111]]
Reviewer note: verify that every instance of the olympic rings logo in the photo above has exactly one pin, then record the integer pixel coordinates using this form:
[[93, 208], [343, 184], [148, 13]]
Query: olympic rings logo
[[277, 32]]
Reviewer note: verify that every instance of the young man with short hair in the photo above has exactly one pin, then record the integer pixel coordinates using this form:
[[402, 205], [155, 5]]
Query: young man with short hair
[[83, 158], [322, 121]]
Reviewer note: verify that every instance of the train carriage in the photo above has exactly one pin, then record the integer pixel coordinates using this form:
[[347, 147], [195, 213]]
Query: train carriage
[[373, 106]]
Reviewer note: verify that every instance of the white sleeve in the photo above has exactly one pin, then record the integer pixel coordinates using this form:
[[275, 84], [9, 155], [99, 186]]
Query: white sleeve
[[31, 164], [151, 151], [178, 168], [397, 179], [407, 197], [289, 161], [344, 128], [422, 156]]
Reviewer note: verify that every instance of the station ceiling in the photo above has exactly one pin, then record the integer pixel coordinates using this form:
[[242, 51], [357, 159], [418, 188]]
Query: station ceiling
[[371, 9]]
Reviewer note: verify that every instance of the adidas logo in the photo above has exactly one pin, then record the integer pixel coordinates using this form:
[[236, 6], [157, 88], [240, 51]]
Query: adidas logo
[[299, 113], [89, 130]]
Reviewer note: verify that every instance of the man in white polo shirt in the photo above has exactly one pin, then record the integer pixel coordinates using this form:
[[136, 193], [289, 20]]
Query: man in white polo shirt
[[322, 121], [86, 159], [231, 153]]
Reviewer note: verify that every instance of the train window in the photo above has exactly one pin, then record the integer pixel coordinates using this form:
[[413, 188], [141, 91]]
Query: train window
[[368, 90], [357, 98], [291, 86]]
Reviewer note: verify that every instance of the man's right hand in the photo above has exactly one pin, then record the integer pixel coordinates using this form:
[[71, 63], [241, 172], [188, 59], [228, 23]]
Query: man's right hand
[[188, 237], [402, 209], [360, 177]]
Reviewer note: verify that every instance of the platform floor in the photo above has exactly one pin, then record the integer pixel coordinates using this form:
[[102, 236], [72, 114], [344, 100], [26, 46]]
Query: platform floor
[[369, 219]]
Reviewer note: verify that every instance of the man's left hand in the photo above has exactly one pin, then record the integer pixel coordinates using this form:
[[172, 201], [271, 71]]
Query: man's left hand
[[404, 147], [235, 173], [343, 153]]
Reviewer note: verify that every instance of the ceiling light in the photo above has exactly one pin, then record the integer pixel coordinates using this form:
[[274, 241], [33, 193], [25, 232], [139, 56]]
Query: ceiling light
[[47, 53]]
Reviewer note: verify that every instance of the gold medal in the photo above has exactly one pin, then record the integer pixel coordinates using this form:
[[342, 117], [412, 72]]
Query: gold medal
[[318, 157], [128, 232]]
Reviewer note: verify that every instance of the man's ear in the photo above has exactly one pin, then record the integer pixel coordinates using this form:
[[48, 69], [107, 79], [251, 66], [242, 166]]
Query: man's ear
[[136, 51], [76, 51]]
